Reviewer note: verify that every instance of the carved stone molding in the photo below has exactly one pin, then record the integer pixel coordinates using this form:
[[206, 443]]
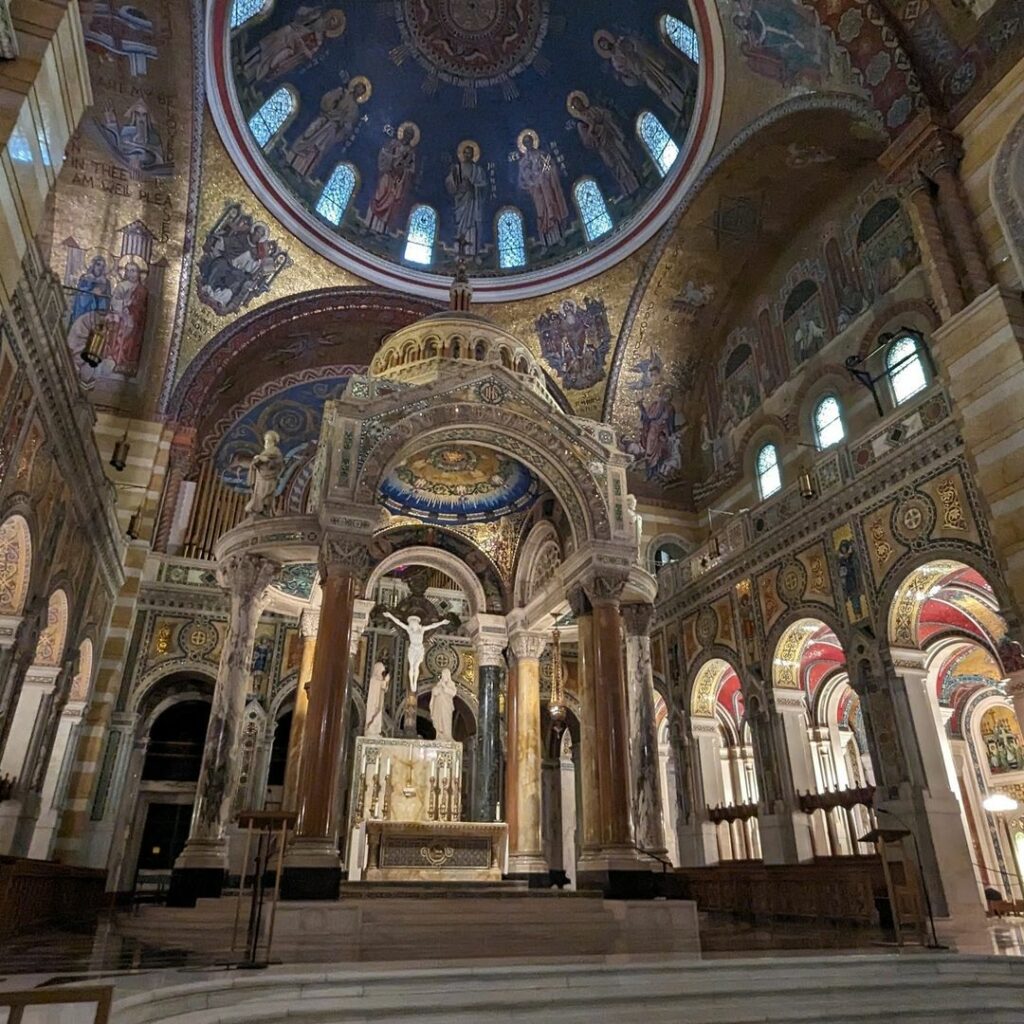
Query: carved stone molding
[[528, 645], [579, 602], [8, 37], [246, 577], [309, 623], [637, 618], [606, 587], [346, 556]]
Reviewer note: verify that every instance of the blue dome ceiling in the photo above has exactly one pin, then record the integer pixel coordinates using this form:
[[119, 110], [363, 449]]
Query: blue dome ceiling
[[358, 122]]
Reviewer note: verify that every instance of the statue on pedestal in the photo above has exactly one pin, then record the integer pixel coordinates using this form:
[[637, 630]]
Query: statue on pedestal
[[636, 521], [379, 679], [442, 705], [415, 632], [264, 473]]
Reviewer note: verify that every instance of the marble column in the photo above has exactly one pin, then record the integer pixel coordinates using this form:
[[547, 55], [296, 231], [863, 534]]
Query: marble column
[[200, 869], [609, 846], [309, 622], [312, 864], [487, 742], [523, 779], [643, 740]]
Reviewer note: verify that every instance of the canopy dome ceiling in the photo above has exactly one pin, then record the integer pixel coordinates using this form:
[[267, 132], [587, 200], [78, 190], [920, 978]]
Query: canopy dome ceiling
[[458, 483], [356, 123]]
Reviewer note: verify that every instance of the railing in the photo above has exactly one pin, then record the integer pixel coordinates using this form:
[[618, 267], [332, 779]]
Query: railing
[[36, 893], [16, 1002]]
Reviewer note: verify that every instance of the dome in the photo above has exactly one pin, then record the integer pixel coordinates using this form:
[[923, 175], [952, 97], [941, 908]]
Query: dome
[[544, 139]]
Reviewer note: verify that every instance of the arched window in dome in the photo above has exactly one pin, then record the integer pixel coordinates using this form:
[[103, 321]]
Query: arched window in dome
[[271, 117], [828, 422], [245, 10], [681, 36], [905, 368], [769, 479], [420, 234], [511, 241], [594, 215], [337, 193], [657, 141]]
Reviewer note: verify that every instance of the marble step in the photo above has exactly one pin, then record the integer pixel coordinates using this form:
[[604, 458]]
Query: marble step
[[841, 990]]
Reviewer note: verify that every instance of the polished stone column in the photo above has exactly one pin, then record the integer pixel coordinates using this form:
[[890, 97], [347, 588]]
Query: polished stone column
[[200, 869], [309, 622], [523, 779], [609, 847], [487, 751], [643, 740], [312, 864]]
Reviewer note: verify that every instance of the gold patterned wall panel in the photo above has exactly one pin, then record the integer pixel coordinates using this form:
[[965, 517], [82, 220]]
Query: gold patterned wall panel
[[819, 585], [953, 517], [688, 636], [853, 589], [883, 547], [768, 597], [726, 631]]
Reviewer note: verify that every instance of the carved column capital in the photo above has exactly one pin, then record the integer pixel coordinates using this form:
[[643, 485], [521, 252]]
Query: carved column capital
[[347, 555], [637, 618], [490, 653], [526, 645], [579, 603], [309, 623], [246, 577], [605, 587]]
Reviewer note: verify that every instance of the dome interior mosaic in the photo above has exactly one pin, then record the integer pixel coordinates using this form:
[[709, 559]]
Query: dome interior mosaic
[[521, 134]]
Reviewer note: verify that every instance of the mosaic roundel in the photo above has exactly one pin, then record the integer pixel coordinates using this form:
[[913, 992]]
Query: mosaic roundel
[[533, 138], [458, 483]]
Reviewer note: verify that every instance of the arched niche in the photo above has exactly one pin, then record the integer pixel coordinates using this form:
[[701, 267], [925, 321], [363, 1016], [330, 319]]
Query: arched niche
[[50, 645], [433, 558], [83, 677]]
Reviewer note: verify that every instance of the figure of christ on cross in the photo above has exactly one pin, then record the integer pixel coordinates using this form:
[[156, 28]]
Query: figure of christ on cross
[[415, 632]]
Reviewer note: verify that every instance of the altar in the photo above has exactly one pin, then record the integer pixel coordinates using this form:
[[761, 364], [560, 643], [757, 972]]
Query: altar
[[405, 807]]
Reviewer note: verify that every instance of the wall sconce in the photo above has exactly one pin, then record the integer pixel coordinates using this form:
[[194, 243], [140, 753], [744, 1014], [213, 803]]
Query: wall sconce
[[135, 524], [92, 354], [807, 488], [119, 456]]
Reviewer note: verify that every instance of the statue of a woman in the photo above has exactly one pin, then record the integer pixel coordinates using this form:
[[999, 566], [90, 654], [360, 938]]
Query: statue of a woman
[[442, 705], [264, 472], [379, 679]]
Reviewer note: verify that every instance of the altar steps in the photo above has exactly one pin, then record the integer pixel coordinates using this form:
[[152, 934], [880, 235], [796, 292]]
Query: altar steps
[[419, 927], [919, 989], [510, 889]]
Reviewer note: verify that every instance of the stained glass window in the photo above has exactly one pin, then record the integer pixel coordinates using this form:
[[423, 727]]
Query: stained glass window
[[243, 10], [337, 193], [420, 234], [828, 422], [905, 368], [769, 479], [267, 121], [594, 213], [511, 243], [657, 141], [680, 35]]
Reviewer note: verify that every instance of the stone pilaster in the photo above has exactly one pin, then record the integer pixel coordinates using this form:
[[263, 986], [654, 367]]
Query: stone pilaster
[[648, 815], [200, 869], [14, 666]]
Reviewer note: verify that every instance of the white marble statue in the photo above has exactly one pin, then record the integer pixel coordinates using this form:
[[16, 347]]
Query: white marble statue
[[637, 521], [378, 687], [442, 705], [264, 473], [415, 632]]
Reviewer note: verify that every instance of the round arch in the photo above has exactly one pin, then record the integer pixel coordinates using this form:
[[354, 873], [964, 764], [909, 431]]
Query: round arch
[[167, 684], [538, 550], [432, 558], [15, 564], [82, 682], [543, 443], [789, 637]]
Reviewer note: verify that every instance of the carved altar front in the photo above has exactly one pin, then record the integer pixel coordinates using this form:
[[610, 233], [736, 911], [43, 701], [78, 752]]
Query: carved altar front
[[404, 819]]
